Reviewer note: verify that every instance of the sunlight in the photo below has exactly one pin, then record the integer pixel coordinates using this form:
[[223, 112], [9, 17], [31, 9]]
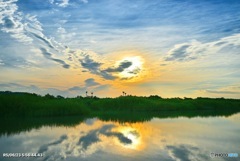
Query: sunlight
[[133, 70], [133, 135]]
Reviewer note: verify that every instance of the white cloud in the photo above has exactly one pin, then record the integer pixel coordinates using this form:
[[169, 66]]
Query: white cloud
[[64, 3], [61, 30], [25, 29], [196, 49], [11, 20]]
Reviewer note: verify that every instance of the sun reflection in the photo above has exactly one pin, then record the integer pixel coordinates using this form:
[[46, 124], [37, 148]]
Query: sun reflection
[[133, 135]]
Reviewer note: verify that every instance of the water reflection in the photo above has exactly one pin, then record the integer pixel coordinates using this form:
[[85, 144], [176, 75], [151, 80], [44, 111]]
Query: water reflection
[[183, 139], [18, 125]]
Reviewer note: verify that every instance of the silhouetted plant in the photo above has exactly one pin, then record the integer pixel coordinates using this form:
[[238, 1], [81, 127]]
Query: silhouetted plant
[[49, 96]]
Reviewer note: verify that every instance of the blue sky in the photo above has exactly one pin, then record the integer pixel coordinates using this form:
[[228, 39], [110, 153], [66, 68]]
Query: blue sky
[[185, 48]]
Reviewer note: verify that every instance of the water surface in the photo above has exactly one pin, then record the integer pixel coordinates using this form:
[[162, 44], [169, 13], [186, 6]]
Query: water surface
[[93, 139]]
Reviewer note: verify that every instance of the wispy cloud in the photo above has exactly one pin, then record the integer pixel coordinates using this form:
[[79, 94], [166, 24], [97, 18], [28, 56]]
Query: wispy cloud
[[196, 49], [77, 88], [185, 152], [11, 20], [63, 3], [26, 29], [90, 85], [93, 136], [18, 87], [223, 92], [15, 62], [49, 55]]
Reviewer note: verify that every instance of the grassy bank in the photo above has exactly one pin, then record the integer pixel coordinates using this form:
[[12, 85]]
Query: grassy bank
[[31, 105]]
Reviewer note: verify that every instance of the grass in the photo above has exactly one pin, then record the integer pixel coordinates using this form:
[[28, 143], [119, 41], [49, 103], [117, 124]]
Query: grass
[[32, 105], [24, 111]]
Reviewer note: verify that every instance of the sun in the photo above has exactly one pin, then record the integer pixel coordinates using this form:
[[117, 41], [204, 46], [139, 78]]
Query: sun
[[134, 69]]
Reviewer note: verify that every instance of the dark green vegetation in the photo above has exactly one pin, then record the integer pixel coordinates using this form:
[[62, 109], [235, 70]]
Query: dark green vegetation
[[24, 111], [11, 126], [31, 105]]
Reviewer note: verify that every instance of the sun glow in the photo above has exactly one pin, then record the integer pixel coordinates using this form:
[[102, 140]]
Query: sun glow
[[134, 136], [134, 69]]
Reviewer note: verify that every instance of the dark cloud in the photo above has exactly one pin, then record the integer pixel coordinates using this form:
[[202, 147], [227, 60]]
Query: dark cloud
[[8, 22], [94, 67], [92, 136], [182, 153], [106, 128], [135, 71], [123, 139], [90, 82], [106, 75], [186, 51], [179, 53], [48, 55], [123, 65], [64, 65], [43, 40], [89, 139], [90, 64]]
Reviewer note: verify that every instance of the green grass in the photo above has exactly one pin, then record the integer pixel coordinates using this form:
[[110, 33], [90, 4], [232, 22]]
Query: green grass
[[32, 105]]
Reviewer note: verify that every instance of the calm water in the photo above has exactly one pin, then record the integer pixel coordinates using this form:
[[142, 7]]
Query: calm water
[[166, 139]]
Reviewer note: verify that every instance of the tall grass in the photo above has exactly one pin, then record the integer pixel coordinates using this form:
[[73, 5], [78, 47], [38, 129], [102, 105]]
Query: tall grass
[[33, 105], [26, 104]]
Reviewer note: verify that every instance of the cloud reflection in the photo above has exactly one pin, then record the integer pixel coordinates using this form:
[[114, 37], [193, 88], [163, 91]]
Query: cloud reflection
[[44, 148], [94, 136], [86, 143], [186, 152]]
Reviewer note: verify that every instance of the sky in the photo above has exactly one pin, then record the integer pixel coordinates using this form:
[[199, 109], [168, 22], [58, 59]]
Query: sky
[[169, 48]]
